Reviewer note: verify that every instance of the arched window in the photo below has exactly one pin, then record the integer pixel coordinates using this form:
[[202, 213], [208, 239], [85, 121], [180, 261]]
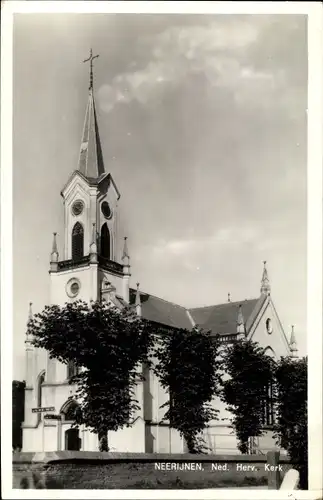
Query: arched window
[[268, 410], [77, 241], [268, 413], [69, 409], [270, 352], [105, 242], [41, 380]]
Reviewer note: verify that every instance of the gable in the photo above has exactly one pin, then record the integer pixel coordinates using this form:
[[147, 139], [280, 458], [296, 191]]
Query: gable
[[272, 338], [105, 182], [76, 179]]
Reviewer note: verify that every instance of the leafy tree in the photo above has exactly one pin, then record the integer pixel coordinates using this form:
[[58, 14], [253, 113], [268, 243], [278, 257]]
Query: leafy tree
[[108, 346], [187, 366], [18, 412], [250, 372], [291, 420]]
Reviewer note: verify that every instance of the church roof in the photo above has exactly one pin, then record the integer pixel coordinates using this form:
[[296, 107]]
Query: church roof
[[220, 319], [91, 158], [161, 311]]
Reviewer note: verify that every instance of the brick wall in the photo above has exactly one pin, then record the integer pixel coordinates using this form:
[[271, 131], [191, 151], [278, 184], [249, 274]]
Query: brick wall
[[80, 470]]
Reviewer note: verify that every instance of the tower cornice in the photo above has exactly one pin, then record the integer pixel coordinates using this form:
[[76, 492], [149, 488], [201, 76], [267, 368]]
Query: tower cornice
[[91, 183]]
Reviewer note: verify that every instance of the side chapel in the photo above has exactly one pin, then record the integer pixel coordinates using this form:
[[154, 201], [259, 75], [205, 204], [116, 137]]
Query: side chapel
[[91, 268]]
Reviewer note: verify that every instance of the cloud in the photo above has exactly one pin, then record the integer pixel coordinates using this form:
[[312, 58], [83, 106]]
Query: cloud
[[235, 236], [218, 50]]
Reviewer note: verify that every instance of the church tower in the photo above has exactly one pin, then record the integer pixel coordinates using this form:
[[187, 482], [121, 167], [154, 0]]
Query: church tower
[[90, 268]]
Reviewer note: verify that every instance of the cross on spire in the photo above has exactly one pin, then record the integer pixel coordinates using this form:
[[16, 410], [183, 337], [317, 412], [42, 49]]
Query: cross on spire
[[90, 59]]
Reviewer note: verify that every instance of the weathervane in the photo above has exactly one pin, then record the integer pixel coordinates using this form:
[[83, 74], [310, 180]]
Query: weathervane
[[91, 67]]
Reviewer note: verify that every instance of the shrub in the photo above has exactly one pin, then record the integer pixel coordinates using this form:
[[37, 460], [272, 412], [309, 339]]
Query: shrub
[[291, 404]]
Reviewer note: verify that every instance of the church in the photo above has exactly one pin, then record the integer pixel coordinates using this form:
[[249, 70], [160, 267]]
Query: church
[[91, 268]]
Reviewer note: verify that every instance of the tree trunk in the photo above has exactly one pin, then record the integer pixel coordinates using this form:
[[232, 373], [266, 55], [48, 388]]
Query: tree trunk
[[243, 447], [303, 476], [191, 443], [103, 441]]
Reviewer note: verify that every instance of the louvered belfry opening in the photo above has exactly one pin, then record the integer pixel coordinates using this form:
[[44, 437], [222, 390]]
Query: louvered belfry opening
[[105, 242], [77, 241], [70, 411]]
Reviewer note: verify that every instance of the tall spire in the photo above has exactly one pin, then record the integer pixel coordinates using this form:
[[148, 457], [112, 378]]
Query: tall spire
[[293, 344], [265, 285], [91, 163]]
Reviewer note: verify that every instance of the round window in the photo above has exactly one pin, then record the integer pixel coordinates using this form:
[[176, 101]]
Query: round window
[[106, 210], [77, 207], [73, 287], [269, 326]]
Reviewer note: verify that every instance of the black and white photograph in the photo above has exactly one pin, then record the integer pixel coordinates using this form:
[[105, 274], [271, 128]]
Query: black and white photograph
[[159, 251]]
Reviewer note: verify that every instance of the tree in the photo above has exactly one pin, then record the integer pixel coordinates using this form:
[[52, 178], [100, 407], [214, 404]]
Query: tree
[[291, 426], [108, 346], [18, 412], [245, 392], [186, 364]]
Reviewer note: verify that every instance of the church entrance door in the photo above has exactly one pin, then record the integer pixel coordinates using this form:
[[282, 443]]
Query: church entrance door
[[72, 440]]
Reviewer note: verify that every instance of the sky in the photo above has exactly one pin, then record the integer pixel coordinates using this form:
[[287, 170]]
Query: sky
[[203, 126]]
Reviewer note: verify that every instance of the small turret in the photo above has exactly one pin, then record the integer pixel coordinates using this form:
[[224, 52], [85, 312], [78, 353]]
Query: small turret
[[30, 317], [126, 270], [293, 344], [54, 255], [138, 301], [265, 285], [93, 245], [240, 322], [125, 253], [29, 350]]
